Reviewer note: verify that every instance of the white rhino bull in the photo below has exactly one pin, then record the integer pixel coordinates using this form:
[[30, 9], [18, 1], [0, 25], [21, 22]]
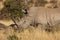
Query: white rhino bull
[[41, 16]]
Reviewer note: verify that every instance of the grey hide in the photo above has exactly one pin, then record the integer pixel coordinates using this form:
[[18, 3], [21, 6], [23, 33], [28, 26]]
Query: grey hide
[[41, 16]]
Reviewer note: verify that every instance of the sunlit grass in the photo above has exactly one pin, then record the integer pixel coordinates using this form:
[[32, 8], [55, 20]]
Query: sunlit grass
[[30, 34]]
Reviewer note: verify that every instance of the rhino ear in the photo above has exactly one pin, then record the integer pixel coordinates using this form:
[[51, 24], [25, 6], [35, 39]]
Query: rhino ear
[[25, 11]]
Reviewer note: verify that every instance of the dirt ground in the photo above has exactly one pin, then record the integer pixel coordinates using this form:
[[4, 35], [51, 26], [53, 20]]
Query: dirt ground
[[6, 22]]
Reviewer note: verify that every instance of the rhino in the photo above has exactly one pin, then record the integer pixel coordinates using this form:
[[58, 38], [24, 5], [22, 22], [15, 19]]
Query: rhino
[[40, 17]]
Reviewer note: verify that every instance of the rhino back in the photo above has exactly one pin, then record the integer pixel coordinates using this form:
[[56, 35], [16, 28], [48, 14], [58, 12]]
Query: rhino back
[[44, 15]]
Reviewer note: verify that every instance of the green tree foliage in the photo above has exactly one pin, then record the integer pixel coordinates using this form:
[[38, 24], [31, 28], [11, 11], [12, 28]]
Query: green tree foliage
[[13, 7]]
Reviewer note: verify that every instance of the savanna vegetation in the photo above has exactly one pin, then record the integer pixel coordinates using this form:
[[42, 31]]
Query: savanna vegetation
[[12, 12]]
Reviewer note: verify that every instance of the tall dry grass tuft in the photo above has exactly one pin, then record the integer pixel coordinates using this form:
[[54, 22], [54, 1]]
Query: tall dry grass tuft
[[28, 34]]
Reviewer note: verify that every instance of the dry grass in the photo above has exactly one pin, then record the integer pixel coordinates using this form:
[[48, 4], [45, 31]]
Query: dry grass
[[29, 34]]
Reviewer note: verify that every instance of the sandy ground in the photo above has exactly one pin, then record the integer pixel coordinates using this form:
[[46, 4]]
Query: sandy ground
[[6, 22]]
